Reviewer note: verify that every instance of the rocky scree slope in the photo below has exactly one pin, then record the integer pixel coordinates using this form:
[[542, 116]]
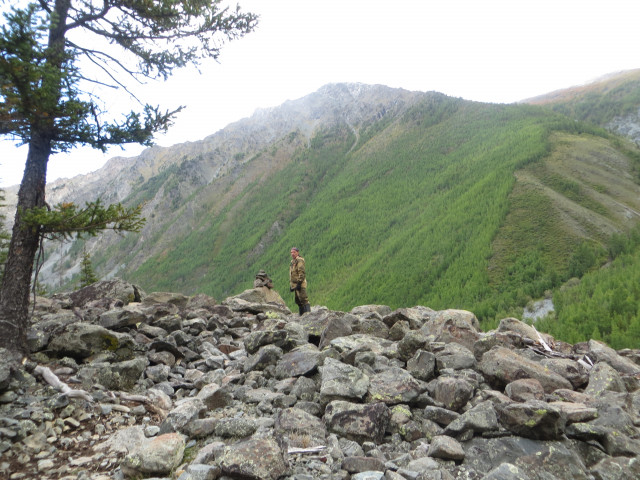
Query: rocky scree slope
[[168, 386]]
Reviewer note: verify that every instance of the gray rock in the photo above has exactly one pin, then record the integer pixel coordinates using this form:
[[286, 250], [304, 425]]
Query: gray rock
[[184, 412], [453, 393], [506, 471], [300, 361], [604, 378], [255, 340], [5, 371], [541, 460], [338, 326], [114, 376], [455, 356], [524, 330], [442, 416], [362, 464], [374, 327], [342, 381], [525, 389], [199, 471], [567, 368], [394, 385], [422, 365], [447, 448], [126, 316], [481, 418], [415, 316], [619, 468], [114, 289], [299, 429], [266, 356], [235, 427], [412, 341], [123, 441], [213, 396], [452, 325], [159, 455], [502, 365], [256, 458], [258, 300], [83, 340], [347, 346], [358, 422], [533, 419], [604, 353]]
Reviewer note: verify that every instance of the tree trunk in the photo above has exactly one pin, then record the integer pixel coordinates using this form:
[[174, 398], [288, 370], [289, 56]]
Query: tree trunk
[[14, 294]]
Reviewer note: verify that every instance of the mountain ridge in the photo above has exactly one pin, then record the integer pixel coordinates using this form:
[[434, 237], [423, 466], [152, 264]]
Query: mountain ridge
[[482, 206]]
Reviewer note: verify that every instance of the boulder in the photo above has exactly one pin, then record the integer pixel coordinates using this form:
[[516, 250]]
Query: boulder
[[115, 289], [255, 458], [342, 382], [501, 365], [158, 456], [358, 422], [394, 385], [83, 340], [533, 419]]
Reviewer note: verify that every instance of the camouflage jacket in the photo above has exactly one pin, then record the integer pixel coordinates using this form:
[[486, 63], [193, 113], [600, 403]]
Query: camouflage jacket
[[296, 272]]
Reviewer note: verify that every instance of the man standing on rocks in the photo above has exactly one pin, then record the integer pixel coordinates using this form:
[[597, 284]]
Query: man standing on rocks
[[298, 281]]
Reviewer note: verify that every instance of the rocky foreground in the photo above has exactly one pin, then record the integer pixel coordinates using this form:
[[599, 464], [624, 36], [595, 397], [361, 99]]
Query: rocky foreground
[[122, 384]]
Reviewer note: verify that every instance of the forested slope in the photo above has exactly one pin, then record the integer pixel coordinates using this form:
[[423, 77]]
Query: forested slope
[[454, 204]]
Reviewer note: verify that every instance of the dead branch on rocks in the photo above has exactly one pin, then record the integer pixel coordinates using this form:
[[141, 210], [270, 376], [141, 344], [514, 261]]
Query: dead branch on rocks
[[52, 379]]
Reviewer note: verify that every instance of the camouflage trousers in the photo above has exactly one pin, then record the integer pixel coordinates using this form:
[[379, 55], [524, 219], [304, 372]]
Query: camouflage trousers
[[301, 297]]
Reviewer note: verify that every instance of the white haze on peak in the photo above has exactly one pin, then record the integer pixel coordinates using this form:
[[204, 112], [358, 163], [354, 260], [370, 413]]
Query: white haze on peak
[[497, 51]]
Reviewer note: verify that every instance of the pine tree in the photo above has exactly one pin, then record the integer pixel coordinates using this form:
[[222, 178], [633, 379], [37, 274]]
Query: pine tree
[[52, 54], [87, 274]]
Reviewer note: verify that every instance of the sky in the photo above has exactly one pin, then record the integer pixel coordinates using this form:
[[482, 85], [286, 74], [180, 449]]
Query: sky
[[498, 51]]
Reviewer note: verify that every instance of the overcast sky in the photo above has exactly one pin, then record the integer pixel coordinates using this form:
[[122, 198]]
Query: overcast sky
[[497, 51]]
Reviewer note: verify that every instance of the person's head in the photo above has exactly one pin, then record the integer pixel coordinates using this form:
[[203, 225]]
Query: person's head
[[294, 252]]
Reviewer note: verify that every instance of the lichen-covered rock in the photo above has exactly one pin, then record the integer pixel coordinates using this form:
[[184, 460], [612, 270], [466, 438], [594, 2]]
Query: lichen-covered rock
[[114, 289], [113, 376], [359, 422], [159, 455], [298, 428], [452, 325], [394, 385], [253, 459], [604, 378], [342, 381], [453, 393], [501, 365], [454, 356], [299, 361], [533, 419], [481, 418]]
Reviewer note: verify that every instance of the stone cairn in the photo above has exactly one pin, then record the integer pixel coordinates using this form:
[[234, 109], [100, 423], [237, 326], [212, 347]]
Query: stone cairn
[[122, 384]]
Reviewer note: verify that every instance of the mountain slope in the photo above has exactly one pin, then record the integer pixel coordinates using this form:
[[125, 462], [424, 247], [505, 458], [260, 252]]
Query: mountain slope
[[394, 197], [613, 102]]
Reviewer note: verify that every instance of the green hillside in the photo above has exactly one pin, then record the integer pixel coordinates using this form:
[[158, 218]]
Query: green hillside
[[453, 205]]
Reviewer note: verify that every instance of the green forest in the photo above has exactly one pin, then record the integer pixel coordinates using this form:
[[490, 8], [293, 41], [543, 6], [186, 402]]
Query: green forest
[[425, 210], [453, 204]]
